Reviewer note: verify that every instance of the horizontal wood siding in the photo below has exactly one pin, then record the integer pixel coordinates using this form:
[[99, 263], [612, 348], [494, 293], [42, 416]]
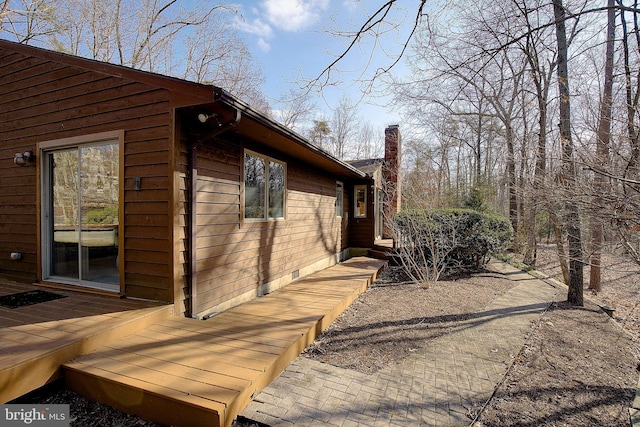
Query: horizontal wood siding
[[44, 100], [234, 256], [181, 225]]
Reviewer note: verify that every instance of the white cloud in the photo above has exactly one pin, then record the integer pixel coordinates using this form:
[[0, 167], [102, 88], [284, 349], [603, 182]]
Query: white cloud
[[263, 45], [293, 15], [350, 5], [286, 15], [256, 27]]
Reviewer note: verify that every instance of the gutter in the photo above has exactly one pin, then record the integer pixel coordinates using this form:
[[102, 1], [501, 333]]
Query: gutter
[[228, 99]]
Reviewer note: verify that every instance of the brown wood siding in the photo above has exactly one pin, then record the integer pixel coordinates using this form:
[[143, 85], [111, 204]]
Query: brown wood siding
[[44, 100], [235, 256]]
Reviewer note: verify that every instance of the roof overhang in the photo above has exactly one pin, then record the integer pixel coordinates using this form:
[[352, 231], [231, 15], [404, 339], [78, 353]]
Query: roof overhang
[[231, 115], [190, 97]]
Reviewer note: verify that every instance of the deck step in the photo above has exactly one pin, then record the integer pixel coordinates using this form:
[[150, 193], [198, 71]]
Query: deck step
[[32, 354], [187, 372]]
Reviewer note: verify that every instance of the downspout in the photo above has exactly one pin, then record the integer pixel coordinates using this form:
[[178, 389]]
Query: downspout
[[193, 191]]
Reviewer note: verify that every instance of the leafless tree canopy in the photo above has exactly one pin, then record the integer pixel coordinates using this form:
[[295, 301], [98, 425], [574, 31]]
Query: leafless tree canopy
[[194, 41], [533, 105], [528, 104]]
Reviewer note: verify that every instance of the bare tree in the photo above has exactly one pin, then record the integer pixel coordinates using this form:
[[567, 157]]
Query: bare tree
[[540, 72], [632, 99], [344, 125], [572, 214], [602, 152], [298, 106], [367, 142], [4, 12], [320, 134], [27, 20], [197, 42]]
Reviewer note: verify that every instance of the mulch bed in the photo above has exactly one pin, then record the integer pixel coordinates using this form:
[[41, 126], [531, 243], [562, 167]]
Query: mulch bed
[[578, 367], [396, 317]]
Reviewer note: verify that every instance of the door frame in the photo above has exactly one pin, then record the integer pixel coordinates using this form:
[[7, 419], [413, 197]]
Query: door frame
[[378, 212], [43, 147]]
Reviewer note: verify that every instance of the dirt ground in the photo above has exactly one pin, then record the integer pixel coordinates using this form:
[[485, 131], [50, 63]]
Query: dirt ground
[[578, 368], [405, 316]]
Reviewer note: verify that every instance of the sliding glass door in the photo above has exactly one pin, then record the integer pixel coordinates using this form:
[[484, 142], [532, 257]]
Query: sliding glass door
[[80, 215]]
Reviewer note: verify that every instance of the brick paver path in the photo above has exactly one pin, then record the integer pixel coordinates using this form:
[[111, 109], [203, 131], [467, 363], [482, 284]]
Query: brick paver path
[[436, 386]]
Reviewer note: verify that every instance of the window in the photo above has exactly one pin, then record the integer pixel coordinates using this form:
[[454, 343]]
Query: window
[[360, 200], [264, 187], [339, 198], [80, 214]]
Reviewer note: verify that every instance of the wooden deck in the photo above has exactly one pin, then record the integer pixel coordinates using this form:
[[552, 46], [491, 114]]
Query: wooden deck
[[37, 339], [188, 372]]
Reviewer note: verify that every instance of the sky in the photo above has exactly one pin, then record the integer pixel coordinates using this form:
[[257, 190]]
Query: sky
[[291, 39]]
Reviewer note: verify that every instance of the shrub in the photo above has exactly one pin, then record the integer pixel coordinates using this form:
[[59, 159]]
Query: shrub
[[433, 242], [107, 215]]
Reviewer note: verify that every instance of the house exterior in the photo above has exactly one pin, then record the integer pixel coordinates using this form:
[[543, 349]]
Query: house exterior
[[140, 185], [387, 182]]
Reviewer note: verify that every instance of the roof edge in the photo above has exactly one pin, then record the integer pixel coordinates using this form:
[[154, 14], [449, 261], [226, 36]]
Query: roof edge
[[225, 97], [202, 91]]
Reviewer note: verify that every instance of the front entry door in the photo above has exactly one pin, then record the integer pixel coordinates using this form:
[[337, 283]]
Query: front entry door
[[80, 215]]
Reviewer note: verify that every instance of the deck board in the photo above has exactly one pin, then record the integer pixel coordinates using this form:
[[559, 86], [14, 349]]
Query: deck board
[[150, 346], [37, 339], [209, 336], [174, 406], [209, 370]]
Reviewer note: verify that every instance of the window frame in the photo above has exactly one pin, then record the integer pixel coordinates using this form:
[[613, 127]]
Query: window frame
[[339, 199], [44, 150], [266, 191], [356, 211]]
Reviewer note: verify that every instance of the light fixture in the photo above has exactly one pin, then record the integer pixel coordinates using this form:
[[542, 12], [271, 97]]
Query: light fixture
[[203, 117], [21, 159]]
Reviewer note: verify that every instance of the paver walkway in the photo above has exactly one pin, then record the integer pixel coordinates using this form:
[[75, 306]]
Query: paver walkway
[[436, 386]]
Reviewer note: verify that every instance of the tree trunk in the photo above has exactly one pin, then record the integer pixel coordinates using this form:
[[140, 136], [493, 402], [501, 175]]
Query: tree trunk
[[631, 170], [542, 92], [602, 153], [574, 240], [562, 255], [511, 180]]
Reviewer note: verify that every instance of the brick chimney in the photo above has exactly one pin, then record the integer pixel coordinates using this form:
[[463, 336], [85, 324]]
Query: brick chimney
[[391, 175]]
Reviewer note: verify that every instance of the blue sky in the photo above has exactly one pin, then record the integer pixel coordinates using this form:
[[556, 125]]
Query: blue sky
[[290, 38]]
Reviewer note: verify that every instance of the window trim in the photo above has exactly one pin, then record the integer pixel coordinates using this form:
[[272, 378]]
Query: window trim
[[356, 213], [339, 199], [44, 148], [266, 217]]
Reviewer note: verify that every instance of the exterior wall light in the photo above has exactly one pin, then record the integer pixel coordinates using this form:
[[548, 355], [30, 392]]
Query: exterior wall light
[[22, 159], [203, 117]]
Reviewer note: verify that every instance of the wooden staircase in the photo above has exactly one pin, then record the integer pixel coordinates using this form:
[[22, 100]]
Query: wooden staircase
[[383, 250]]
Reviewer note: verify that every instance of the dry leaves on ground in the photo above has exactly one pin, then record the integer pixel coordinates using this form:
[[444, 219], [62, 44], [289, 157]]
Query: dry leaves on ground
[[396, 317], [578, 367]]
